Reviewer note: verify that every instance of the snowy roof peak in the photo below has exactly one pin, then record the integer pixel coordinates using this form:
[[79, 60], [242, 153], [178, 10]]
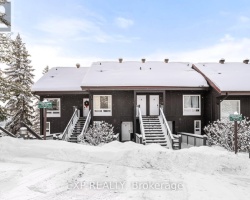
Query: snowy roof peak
[[138, 74], [227, 77], [61, 79]]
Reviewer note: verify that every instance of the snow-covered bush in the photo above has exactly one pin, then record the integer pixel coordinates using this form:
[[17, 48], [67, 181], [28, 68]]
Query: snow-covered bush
[[222, 133], [98, 133]]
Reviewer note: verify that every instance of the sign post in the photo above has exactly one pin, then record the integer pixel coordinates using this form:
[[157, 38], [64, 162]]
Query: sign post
[[235, 117], [44, 105]]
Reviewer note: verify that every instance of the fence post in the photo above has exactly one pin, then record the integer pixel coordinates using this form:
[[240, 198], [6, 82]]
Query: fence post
[[204, 140]]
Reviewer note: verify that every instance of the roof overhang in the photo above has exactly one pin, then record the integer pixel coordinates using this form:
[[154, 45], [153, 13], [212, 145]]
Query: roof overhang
[[235, 93], [58, 92], [145, 88]]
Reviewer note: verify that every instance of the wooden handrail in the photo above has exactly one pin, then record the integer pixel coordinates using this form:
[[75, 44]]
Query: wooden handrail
[[141, 125], [86, 125], [7, 132], [70, 126], [165, 122]]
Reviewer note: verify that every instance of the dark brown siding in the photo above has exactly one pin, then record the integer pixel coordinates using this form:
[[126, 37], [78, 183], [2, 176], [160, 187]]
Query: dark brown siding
[[174, 111], [213, 100], [58, 124], [122, 108]]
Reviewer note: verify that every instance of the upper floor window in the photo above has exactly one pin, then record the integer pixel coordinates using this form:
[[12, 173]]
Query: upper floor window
[[55, 111], [228, 107], [191, 104], [102, 105]]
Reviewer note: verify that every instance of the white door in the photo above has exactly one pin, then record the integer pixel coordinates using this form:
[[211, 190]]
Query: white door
[[197, 127], [85, 107], [154, 105], [141, 100], [127, 129]]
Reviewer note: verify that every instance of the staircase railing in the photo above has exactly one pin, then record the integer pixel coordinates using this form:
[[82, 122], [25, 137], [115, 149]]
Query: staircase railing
[[168, 133], [7, 132], [141, 125], [86, 125], [70, 127]]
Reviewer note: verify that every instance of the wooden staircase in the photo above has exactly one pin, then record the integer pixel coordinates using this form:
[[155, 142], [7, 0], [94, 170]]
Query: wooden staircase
[[77, 130], [153, 131]]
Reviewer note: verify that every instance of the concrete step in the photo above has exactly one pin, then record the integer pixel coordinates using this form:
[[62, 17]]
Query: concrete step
[[156, 142], [153, 132], [154, 135]]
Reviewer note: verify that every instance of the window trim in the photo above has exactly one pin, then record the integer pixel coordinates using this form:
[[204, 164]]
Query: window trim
[[101, 111], [229, 100], [192, 113], [54, 113]]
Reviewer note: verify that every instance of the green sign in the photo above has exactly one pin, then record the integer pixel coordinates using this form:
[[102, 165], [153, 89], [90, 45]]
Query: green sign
[[235, 117], [42, 104]]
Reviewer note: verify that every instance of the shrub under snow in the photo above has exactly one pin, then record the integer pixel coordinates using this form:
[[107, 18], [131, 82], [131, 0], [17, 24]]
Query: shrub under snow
[[222, 133], [99, 133]]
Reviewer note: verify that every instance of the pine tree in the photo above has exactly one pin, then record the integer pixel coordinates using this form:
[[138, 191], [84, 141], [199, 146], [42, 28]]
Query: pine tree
[[19, 72], [46, 69], [36, 119]]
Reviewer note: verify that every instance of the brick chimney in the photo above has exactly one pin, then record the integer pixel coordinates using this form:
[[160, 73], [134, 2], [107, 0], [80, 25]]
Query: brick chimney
[[120, 60], [246, 61], [222, 61], [143, 60]]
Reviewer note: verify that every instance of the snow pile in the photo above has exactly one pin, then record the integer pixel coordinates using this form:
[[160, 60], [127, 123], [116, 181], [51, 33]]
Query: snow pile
[[199, 159], [60, 170]]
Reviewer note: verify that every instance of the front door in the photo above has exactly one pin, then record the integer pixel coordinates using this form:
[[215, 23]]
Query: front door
[[154, 105], [127, 129], [85, 107], [141, 100]]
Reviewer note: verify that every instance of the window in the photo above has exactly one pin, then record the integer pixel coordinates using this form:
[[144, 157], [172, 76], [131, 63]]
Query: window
[[55, 111], [191, 105], [102, 105], [47, 128], [228, 107]]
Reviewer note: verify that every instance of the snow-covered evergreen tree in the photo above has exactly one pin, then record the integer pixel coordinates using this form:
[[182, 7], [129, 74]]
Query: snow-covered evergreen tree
[[46, 69], [36, 119], [19, 72], [98, 134], [222, 133]]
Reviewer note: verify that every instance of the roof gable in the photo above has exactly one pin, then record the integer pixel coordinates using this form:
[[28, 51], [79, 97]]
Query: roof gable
[[61, 79], [227, 77]]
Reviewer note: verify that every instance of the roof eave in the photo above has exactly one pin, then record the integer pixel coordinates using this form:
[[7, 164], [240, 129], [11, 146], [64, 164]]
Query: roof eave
[[87, 88]]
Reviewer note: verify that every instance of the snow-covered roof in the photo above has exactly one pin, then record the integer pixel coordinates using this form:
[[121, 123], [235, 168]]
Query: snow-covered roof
[[138, 74], [61, 79], [227, 77]]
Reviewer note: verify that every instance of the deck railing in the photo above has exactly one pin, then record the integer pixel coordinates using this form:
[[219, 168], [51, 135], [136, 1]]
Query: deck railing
[[70, 127], [141, 125], [193, 139], [86, 125], [168, 133], [138, 138]]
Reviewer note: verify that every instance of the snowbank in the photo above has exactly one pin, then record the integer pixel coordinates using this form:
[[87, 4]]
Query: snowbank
[[199, 159]]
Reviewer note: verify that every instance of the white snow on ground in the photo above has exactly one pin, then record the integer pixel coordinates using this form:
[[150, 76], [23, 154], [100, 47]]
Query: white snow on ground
[[58, 170]]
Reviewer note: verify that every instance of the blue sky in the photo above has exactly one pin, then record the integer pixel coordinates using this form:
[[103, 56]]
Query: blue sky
[[63, 33]]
